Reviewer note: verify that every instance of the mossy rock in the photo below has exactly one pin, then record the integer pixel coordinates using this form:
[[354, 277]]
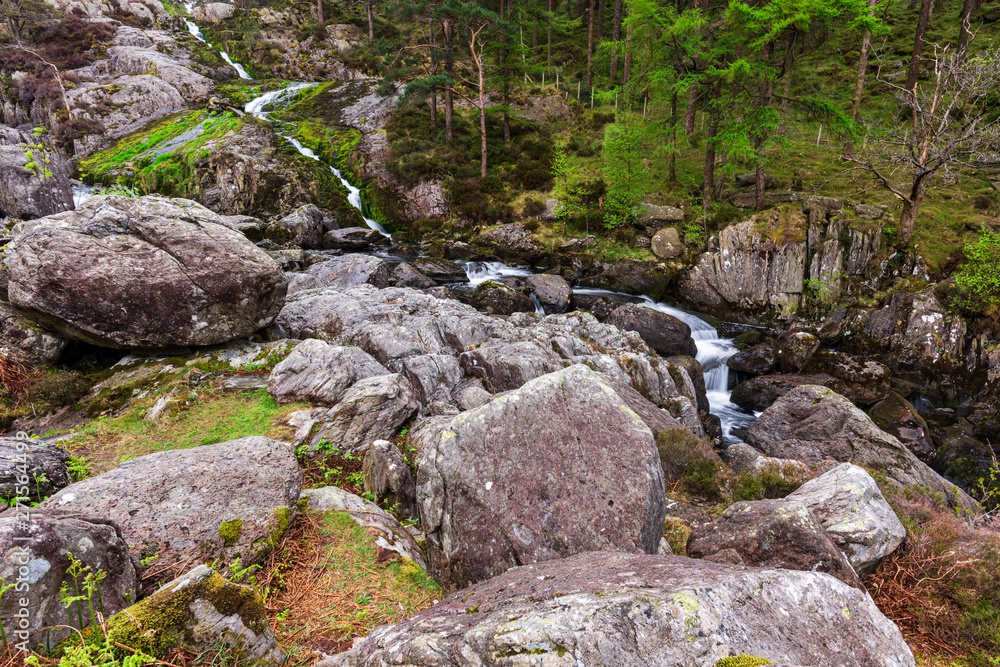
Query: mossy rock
[[743, 661], [188, 612]]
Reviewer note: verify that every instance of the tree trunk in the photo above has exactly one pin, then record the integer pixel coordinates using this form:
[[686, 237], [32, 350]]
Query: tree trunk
[[482, 101], [600, 20], [964, 28], [628, 55], [548, 46], [616, 36], [371, 20], [434, 110], [767, 88], [449, 64], [590, 43], [859, 87], [709, 170], [918, 44], [534, 42], [789, 68], [672, 175], [319, 12], [911, 206]]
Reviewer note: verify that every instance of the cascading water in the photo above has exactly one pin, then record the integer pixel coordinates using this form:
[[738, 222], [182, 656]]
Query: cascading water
[[197, 34]]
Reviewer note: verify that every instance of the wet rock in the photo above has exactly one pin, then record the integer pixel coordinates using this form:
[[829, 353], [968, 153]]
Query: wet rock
[[234, 499], [552, 291], [42, 544], [814, 424], [343, 273], [636, 610], [773, 533], [373, 409], [852, 509], [664, 333], [200, 611], [795, 352], [389, 534], [862, 381], [666, 243], [632, 276], [600, 307], [897, 416], [748, 339], [351, 238], [405, 275], [101, 274], [43, 465], [757, 360], [25, 342], [23, 193], [559, 484], [440, 269], [697, 375], [317, 372], [389, 480], [761, 392], [512, 241], [499, 299]]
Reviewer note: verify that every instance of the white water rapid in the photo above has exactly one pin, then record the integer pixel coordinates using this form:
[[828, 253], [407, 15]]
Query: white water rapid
[[198, 34]]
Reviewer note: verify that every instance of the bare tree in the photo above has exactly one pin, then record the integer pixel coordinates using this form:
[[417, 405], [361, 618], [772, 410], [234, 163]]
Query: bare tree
[[939, 124]]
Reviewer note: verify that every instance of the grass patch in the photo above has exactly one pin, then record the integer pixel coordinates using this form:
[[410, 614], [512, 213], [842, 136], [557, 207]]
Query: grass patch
[[212, 417], [328, 583]]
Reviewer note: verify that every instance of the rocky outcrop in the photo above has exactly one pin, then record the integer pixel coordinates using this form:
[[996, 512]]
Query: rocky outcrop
[[200, 611], [634, 611], [320, 373], [666, 243], [849, 504], [772, 533], [862, 381], [342, 273], [531, 476], [351, 238], [512, 242], [37, 546], [33, 179], [896, 416], [388, 533], [552, 292], [664, 333], [388, 479], [25, 342], [230, 500], [372, 409], [761, 392], [30, 470], [304, 227], [796, 350], [814, 424], [150, 272], [756, 360], [405, 275], [499, 299]]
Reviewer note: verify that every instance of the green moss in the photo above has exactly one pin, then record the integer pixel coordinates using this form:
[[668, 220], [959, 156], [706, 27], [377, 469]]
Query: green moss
[[743, 661], [230, 531]]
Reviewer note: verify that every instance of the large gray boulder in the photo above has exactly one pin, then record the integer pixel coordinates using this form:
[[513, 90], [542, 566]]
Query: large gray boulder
[[31, 470], [759, 393], [234, 499], [36, 544], [388, 533], [864, 381], [320, 373], [25, 342], [342, 273], [373, 409], [635, 611], [664, 333], [771, 533], [552, 291], [533, 476], [388, 479], [148, 273], [849, 504], [200, 611], [814, 424], [33, 180]]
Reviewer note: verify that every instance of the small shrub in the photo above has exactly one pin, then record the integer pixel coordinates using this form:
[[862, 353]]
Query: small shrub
[[979, 281], [773, 482], [533, 207], [691, 462], [982, 202]]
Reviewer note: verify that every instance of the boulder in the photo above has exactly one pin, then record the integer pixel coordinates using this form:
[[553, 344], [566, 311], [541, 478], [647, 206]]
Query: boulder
[[552, 291], [531, 476], [664, 333], [636, 610], [666, 243], [756, 360], [866, 212], [747, 180], [389, 480], [632, 276], [440, 269], [795, 352], [41, 540], [552, 209], [343, 273], [389, 534], [651, 215], [24, 193], [852, 509], [25, 342], [432, 376], [499, 299], [472, 397], [962, 457], [234, 499], [512, 242], [761, 392], [303, 227], [320, 373], [773, 533], [822, 204], [215, 11], [404, 275], [896, 416], [351, 238], [814, 424], [30, 470], [373, 409], [151, 272], [135, 61], [862, 381], [200, 611]]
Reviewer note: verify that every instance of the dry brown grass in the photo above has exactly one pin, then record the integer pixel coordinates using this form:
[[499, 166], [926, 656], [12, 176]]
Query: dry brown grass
[[16, 377]]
